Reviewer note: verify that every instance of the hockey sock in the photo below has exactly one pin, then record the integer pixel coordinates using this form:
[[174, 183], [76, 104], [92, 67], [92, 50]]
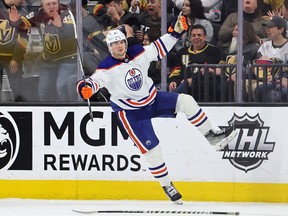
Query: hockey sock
[[194, 113], [157, 165]]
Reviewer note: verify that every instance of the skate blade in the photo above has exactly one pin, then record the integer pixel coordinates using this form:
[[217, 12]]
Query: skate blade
[[224, 142], [178, 202]]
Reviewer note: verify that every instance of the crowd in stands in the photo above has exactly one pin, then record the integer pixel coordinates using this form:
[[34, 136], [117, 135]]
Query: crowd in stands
[[202, 63]]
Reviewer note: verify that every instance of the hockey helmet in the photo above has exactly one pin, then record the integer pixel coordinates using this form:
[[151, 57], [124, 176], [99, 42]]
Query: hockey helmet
[[114, 36]]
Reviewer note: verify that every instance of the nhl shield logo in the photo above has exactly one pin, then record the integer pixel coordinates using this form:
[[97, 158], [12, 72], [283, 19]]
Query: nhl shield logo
[[250, 148]]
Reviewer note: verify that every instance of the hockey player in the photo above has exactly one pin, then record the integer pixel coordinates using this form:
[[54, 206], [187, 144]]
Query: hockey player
[[135, 100]]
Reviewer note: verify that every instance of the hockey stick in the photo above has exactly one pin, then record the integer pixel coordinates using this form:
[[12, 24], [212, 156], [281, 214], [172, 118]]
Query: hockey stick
[[80, 61], [156, 212]]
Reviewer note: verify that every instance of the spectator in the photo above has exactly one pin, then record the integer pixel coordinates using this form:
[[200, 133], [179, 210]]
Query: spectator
[[12, 49], [118, 16], [199, 52], [99, 10], [140, 3], [135, 6], [213, 10], [251, 13], [151, 18], [154, 71], [283, 12], [127, 4], [229, 6], [59, 59], [194, 12], [229, 56], [276, 47]]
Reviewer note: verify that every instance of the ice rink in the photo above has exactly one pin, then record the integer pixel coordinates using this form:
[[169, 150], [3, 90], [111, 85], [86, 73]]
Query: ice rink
[[26, 207]]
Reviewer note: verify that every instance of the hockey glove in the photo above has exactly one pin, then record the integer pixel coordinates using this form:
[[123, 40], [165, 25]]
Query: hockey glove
[[122, 29], [178, 27], [86, 88]]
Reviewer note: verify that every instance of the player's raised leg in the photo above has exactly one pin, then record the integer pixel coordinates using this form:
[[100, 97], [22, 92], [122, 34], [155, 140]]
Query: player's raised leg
[[218, 138]]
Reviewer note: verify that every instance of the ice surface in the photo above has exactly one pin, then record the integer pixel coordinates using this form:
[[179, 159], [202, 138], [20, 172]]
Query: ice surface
[[28, 207]]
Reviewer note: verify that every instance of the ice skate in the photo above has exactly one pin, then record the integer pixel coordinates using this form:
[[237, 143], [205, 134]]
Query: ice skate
[[173, 194], [220, 138]]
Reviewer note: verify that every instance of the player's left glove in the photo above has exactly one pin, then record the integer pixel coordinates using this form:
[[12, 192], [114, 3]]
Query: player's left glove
[[86, 88], [178, 27], [122, 29]]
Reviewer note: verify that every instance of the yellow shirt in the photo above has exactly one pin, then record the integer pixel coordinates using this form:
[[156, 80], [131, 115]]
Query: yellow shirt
[[275, 4], [125, 5]]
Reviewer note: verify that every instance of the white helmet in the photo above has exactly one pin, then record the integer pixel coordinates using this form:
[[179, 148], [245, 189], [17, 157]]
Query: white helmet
[[113, 36]]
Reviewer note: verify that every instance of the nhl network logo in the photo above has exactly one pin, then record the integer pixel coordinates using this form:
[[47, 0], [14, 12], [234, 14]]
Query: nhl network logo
[[247, 151]]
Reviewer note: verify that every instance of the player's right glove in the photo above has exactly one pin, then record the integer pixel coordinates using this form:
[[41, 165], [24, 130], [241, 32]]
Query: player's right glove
[[178, 27], [86, 88]]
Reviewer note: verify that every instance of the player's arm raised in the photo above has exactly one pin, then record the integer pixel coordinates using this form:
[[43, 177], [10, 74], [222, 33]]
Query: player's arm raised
[[178, 27], [165, 43]]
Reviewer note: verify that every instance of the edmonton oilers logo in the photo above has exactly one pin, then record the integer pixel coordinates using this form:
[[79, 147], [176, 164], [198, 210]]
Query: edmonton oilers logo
[[134, 79], [9, 141]]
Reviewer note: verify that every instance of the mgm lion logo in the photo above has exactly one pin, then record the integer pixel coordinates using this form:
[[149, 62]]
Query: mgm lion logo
[[9, 141]]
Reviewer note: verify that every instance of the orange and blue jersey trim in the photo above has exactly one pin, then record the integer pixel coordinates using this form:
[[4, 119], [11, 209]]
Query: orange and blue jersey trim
[[129, 130], [199, 118], [161, 48], [142, 102]]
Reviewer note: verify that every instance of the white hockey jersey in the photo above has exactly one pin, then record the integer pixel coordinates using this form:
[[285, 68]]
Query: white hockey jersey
[[127, 79], [267, 49]]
